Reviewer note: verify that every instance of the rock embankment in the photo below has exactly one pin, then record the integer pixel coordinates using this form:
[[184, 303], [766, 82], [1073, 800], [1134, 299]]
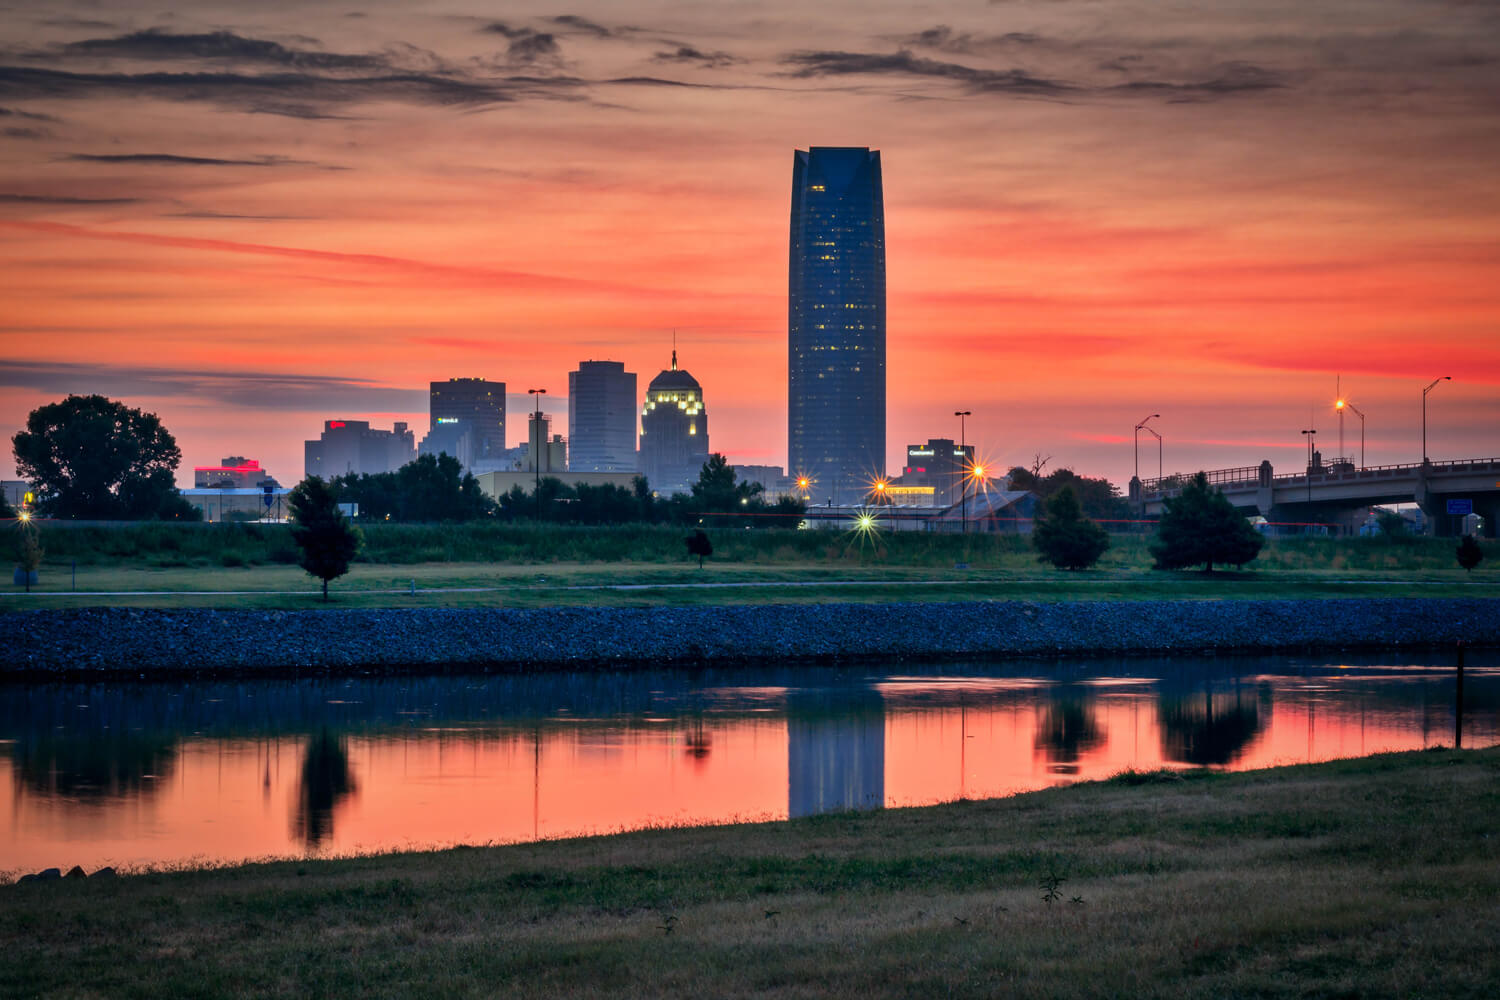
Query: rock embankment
[[201, 641]]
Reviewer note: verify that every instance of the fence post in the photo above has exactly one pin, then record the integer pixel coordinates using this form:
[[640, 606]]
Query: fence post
[[1458, 701]]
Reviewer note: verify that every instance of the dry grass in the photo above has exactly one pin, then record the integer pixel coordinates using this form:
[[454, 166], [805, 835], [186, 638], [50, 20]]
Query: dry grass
[[1376, 877]]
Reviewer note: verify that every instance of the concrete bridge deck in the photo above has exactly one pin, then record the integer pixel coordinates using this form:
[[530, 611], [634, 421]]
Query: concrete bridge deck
[[1325, 491]]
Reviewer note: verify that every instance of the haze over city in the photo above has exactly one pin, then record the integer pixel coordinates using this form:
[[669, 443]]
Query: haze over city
[[252, 219]]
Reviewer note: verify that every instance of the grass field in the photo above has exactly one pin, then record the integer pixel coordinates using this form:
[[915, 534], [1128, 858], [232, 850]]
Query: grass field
[[503, 565], [1377, 877]]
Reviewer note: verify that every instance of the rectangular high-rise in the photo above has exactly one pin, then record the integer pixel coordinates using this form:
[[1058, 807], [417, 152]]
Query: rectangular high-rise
[[601, 418], [836, 322], [477, 401]]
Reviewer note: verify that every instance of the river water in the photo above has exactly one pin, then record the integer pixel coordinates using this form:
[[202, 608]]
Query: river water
[[206, 772]]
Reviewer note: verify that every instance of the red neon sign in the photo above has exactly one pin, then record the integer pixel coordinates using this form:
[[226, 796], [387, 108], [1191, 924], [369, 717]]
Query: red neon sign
[[335, 423]]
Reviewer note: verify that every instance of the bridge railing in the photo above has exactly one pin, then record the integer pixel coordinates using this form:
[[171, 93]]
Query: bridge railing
[[1249, 475]]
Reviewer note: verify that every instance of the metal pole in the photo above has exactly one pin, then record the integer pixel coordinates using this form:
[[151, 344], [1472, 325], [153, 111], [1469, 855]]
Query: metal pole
[[536, 457], [1138, 428], [1445, 378], [963, 481]]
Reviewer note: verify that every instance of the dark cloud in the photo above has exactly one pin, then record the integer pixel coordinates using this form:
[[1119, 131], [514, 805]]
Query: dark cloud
[[689, 54], [173, 160], [1231, 78], [22, 132], [79, 23], [155, 44], [261, 390], [904, 63], [584, 26], [28, 115], [536, 47], [300, 94], [47, 199], [527, 45], [945, 39], [656, 81], [234, 215]]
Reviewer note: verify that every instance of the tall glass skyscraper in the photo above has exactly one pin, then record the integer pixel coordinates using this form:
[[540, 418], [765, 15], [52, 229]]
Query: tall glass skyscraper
[[836, 322], [601, 418]]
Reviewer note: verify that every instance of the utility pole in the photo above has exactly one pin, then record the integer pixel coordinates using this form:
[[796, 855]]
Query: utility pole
[[536, 450], [963, 482]]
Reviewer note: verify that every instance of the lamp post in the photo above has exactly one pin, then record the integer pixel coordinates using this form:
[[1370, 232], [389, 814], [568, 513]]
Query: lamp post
[[1309, 434], [1445, 378], [1341, 406], [536, 449], [1138, 446], [963, 482]]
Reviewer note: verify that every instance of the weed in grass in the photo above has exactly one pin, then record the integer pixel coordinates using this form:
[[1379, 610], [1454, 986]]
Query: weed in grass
[[1051, 884]]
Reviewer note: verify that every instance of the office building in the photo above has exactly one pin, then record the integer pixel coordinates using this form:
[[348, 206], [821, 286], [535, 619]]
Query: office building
[[940, 464], [674, 431], [353, 447], [478, 401], [234, 472], [601, 418], [836, 322], [455, 438]]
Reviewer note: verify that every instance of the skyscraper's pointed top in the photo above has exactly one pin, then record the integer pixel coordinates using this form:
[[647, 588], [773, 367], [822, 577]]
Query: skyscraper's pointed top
[[674, 350]]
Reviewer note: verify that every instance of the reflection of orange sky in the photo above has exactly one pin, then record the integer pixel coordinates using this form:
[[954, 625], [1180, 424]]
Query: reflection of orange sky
[[236, 799], [1059, 267]]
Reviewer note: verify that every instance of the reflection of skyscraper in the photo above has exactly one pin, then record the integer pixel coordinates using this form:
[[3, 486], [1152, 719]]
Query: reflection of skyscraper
[[601, 418], [836, 321], [674, 431], [835, 753]]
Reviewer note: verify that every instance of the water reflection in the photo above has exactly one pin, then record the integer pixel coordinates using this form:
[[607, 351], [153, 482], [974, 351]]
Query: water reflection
[[1068, 727], [835, 751], [106, 774], [1209, 728], [326, 782]]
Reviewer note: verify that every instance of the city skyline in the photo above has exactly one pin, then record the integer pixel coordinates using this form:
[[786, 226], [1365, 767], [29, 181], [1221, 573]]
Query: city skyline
[[249, 221]]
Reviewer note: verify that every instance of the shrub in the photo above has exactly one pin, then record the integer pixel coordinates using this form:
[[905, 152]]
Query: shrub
[[1064, 537], [1469, 553]]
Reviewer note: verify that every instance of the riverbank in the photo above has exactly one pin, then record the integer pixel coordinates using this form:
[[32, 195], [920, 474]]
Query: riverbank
[[95, 642], [1372, 877]]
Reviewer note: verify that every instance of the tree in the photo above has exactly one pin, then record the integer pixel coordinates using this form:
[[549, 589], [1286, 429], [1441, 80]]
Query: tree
[[699, 545], [28, 552], [716, 490], [1064, 537], [327, 540], [7, 512], [432, 488], [89, 456], [1469, 553], [1200, 526]]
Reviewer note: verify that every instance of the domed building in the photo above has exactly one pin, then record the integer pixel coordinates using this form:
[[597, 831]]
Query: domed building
[[674, 431]]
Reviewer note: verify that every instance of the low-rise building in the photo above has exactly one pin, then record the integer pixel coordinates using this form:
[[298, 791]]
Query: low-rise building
[[354, 447], [233, 471]]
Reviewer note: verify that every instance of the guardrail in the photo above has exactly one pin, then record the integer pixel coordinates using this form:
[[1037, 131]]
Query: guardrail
[[1250, 475]]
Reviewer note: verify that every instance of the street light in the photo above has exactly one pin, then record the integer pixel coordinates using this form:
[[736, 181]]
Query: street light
[[963, 482], [1138, 447], [1309, 434], [1445, 378], [536, 449], [1341, 406]]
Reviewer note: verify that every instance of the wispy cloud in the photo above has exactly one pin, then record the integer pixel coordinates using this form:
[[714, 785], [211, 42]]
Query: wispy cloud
[[297, 94], [48, 199], [689, 54], [583, 25], [173, 160], [905, 63], [527, 45], [945, 39], [226, 46], [260, 390]]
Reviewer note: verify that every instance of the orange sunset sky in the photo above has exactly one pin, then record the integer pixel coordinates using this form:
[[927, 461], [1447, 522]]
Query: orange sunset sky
[[252, 217]]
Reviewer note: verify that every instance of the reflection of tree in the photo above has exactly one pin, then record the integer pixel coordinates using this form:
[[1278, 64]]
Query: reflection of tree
[[1205, 728], [699, 740], [96, 763], [1068, 728], [326, 781]]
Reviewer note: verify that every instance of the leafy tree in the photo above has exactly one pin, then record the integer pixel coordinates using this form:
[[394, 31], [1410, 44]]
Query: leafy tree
[[7, 512], [1469, 553], [699, 545], [1201, 526], [716, 490], [433, 488], [89, 456], [787, 512], [1064, 537], [327, 540], [1392, 525], [28, 551], [1097, 498]]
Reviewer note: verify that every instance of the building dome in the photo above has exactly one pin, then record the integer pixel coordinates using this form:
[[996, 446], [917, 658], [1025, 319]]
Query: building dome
[[674, 431]]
